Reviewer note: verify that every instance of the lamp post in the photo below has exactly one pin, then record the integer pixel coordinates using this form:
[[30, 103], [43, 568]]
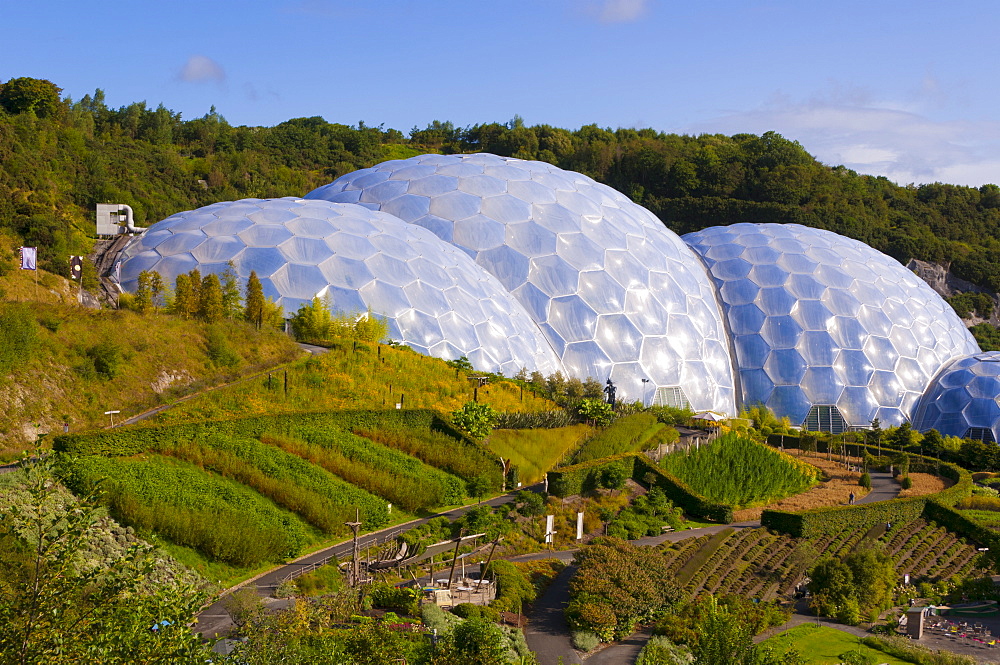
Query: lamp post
[[644, 382]]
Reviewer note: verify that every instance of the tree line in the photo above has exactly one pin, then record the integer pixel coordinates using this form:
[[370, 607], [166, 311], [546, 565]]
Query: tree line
[[59, 157]]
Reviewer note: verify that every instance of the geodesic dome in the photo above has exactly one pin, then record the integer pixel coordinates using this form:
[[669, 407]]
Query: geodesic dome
[[825, 329], [963, 399], [435, 298], [616, 293]]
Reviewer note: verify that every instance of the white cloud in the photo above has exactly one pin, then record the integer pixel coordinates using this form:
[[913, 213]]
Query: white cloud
[[200, 68], [621, 11], [877, 137]]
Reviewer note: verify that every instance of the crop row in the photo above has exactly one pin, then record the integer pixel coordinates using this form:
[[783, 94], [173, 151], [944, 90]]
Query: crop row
[[759, 563]]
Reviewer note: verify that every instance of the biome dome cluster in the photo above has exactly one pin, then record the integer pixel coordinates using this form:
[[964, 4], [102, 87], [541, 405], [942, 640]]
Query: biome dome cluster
[[516, 263]]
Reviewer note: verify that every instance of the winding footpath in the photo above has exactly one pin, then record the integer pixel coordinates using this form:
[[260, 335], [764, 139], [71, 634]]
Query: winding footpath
[[549, 637]]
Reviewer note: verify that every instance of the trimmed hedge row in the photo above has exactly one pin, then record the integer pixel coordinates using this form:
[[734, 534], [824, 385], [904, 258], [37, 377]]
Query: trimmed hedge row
[[955, 521], [833, 520], [587, 476]]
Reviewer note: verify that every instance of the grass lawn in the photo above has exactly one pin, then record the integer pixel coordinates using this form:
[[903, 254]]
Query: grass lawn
[[821, 645], [535, 451]]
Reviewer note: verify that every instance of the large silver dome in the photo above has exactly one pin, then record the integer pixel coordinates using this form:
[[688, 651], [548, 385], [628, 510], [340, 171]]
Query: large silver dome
[[436, 299], [615, 292], [827, 330]]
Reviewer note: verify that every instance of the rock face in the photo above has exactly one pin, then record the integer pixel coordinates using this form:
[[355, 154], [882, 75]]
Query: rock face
[[941, 280]]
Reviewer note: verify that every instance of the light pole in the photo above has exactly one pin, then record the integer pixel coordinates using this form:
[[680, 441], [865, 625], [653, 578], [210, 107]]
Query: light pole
[[644, 382], [112, 414]]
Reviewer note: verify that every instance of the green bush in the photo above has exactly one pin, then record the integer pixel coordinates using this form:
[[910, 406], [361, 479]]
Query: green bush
[[514, 589], [389, 597], [866, 480], [220, 350], [18, 336], [585, 641], [906, 483]]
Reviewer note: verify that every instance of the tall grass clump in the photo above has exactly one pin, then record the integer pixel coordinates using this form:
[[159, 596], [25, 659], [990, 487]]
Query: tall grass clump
[[739, 471], [188, 506], [639, 431]]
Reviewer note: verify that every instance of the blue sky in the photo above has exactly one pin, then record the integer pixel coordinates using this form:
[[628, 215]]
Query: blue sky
[[909, 90]]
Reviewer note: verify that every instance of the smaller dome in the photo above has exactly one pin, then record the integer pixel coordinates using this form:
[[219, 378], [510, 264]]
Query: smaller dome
[[435, 298], [964, 399]]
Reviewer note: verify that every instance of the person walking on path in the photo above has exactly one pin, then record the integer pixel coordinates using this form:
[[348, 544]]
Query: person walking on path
[[850, 499]]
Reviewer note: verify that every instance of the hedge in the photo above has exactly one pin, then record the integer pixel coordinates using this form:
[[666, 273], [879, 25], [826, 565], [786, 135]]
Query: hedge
[[832, 520], [586, 476]]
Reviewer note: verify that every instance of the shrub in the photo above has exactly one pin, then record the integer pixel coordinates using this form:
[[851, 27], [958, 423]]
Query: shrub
[[106, 357], [866, 480], [906, 483], [219, 350], [389, 597], [585, 641]]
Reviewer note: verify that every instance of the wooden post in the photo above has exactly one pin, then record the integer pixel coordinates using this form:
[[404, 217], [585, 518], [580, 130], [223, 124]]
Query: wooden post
[[355, 577], [454, 559]]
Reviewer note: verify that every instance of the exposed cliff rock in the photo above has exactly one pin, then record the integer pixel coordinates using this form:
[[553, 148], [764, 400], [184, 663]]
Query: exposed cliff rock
[[941, 280]]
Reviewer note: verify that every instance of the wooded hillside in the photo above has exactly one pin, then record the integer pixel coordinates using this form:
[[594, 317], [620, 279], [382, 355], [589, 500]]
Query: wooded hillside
[[59, 157]]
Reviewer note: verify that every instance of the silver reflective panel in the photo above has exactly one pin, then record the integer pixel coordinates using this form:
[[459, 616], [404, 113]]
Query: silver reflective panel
[[964, 397], [437, 300], [820, 319], [615, 292]]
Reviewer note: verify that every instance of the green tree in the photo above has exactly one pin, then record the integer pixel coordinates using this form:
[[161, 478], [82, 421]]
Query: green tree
[[232, 302], [597, 411], [255, 308], [475, 418], [54, 610], [28, 95], [312, 321], [210, 307]]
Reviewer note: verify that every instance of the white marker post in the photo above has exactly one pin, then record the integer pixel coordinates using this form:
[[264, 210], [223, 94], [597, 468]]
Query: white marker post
[[579, 526], [112, 414]]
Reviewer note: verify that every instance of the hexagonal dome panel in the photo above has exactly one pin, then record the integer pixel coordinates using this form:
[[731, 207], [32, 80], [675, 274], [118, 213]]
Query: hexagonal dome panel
[[854, 316], [558, 226], [399, 270], [962, 400]]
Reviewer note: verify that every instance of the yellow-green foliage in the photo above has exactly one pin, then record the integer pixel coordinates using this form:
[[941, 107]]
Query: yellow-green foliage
[[153, 356], [534, 451], [741, 472], [355, 375], [639, 431], [188, 506]]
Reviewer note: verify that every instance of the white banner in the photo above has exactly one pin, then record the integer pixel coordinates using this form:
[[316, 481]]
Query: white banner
[[29, 258]]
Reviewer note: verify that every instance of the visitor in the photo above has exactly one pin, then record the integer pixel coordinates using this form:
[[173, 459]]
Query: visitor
[[850, 499]]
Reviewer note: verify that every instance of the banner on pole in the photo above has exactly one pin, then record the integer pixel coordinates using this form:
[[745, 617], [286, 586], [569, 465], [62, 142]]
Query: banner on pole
[[75, 267], [29, 258]]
